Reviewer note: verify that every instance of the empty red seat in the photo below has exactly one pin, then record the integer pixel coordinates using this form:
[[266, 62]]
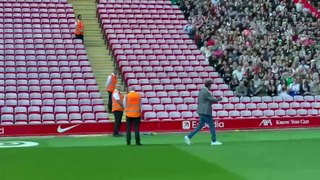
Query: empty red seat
[[313, 112], [246, 113], [222, 114], [162, 115], [302, 112], [240, 106], [228, 107], [315, 105], [102, 117], [234, 114], [186, 115], [256, 99], [280, 112], [150, 116], [175, 115], [268, 113], [284, 105], [257, 113], [273, 106]]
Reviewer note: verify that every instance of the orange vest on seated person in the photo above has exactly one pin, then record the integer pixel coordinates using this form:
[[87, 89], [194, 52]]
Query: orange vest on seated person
[[111, 87], [116, 106], [133, 105], [79, 28]]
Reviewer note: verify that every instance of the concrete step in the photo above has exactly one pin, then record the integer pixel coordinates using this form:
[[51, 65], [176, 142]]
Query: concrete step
[[97, 51]]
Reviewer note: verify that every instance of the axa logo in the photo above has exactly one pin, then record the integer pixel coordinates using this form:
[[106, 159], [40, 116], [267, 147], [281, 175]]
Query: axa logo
[[186, 125], [2, 130], [266, 122]]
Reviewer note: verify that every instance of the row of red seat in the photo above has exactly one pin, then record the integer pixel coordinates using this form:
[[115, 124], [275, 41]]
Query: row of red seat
[[154, 2], [138, 6], [233, 100], [34, 3], [10, 119], [49, 93], [25, 46], [191, 99], [187, 115], [50, 102], [167, 106], [41, 41]]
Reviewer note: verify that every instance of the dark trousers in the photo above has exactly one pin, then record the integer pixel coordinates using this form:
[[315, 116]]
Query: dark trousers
[[136, 125], [117, 121], [110, 102], [80, 37]]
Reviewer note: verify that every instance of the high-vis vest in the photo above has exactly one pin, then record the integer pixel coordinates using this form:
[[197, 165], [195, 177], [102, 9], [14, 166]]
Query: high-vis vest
[[80, 26], [132, 106], [113, 83], [115, 104]]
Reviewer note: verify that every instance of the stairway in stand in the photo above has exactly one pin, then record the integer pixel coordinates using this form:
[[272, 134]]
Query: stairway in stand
[[98, 53]]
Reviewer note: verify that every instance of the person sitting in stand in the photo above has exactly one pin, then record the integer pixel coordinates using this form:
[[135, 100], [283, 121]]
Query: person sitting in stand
[[262, 89], [241, 90], [295, 87]]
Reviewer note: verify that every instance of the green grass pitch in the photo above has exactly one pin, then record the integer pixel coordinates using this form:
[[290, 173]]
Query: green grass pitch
[[263, 155]]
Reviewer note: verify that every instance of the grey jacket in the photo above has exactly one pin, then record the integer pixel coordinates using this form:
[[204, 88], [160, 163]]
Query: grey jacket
[[205, 101]]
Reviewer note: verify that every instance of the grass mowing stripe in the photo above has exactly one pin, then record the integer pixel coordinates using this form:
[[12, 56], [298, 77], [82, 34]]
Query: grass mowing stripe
[[280, 159], [151, 162], [251, 155]]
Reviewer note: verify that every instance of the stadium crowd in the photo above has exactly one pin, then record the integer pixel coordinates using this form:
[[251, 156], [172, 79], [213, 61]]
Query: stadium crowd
[[260, 47]]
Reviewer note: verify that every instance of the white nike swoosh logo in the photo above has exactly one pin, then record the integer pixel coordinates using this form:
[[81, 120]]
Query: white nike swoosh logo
[[62, 130]]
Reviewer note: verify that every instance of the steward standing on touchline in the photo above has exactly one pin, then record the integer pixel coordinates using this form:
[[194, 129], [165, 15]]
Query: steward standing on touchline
[[132, 108], [117, 110]]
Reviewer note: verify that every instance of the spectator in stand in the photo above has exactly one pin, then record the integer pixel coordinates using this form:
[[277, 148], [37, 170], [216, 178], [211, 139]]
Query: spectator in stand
[[199, 39], [256, 81], [227, 76], [241, 90], [211, 43], [262, 89], [205, 51], [251, 88], [284, 93], [272, 88], [189, 29], [315, 85], [299, 6], [305, 88], [234, 83], [295, 87], [282, 85], [238, 73]]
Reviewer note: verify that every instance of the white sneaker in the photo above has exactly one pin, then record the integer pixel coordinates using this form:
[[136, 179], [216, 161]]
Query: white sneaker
[[187, 140], [216, 143]]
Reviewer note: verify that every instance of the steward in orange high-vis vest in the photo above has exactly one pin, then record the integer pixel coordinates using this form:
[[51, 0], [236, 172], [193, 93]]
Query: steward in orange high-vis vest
[[117, 109], [110, 86], [79, 32], [132, 108]]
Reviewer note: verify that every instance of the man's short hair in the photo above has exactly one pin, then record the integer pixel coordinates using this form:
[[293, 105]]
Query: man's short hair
[[207, 82]]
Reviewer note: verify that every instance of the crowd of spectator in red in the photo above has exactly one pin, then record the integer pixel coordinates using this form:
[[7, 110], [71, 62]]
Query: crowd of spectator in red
[[259, 47]]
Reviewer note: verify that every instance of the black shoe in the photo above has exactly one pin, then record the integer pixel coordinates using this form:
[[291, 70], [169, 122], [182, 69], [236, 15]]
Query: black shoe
[[128, 143], [139, 144], [117, 135]]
